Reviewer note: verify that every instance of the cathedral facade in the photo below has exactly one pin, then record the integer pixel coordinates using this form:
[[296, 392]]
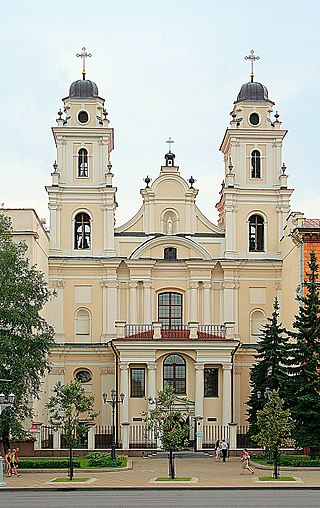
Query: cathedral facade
[[169, 297]]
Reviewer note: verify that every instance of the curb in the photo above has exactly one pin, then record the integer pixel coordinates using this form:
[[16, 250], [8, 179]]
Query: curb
[[158, 488]]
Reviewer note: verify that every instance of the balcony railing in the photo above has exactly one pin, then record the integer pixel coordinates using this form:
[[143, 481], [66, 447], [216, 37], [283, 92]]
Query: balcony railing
[[191, 331]]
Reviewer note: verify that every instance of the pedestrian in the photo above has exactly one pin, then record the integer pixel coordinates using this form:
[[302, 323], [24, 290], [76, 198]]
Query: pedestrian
[[7, 462], [224, 450], [246, 464], [14, 462], [218, 451]]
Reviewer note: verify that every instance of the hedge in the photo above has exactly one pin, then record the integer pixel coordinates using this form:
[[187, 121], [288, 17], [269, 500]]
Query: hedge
[[47, 463], [100, 459]]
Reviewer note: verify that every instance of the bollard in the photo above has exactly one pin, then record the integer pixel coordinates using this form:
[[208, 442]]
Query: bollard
[[2, 482]]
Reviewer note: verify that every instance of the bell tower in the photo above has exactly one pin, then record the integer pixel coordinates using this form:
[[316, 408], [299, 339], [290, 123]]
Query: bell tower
[[255, 199], [81, 195]]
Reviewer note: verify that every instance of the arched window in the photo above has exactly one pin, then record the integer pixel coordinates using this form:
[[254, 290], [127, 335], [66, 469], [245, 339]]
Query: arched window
[[257, 320], [256, 233], [170, 310], [170, 253], [255, 164], [82, 231], [83, 325], [174, 373], [83, 162]]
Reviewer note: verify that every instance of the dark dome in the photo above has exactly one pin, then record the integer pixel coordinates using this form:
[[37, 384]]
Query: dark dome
[[253, 92], [83, 89]]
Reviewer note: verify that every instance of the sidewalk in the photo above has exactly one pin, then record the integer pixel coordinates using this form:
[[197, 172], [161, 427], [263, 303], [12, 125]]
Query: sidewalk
[[208, 473]]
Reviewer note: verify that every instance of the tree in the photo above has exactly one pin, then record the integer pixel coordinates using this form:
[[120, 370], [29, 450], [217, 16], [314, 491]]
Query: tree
[[275, 426], [71, 411], [25, 337], [270, 369], [169, 423], [305, 363]]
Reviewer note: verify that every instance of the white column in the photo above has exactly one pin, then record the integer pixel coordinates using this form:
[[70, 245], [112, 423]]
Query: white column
[[104, 388], [193, 301], [199, 394], [111, 310], [152, 392], [226, 394], [104, 312], [237, 394], [207, 320], [228, 293], [124, 388], [147, 306], [133, 303]]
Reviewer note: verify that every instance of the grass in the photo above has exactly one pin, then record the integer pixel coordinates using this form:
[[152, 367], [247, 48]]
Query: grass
[[64, 480], [288, 461], [165, 479], [44, 463], [280, 479]]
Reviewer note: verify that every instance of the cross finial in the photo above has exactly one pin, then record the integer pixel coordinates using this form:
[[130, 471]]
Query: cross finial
[[252, 57], [170, 141], [84, 55]]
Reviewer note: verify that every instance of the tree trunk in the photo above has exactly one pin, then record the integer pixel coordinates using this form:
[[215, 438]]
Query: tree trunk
[[276, 467], [5, 443], [70, 464], [171, 465]]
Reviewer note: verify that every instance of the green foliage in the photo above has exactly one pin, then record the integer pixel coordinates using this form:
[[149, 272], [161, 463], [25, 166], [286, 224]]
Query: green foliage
[[292, 461], [71, 410], [272, 479], [25, 337], [270, 368], [169, 423], [46, 463], [100, 459], [304, 388], [274, 423]]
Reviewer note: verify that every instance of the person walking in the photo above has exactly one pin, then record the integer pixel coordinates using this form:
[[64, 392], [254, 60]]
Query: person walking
[[224, 450], [14, 462], [245, 459], [7, 462], [218, 451]]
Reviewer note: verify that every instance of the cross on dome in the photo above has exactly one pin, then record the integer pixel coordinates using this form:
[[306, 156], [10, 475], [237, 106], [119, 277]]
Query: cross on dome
[[84, 55], [170, 141], [252, 57]]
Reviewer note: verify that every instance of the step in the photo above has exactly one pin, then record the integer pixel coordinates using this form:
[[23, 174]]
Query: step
[[180, 455]]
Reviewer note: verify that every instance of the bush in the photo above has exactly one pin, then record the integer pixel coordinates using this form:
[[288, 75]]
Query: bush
[[100, 459], [291, 461], [47, 463]]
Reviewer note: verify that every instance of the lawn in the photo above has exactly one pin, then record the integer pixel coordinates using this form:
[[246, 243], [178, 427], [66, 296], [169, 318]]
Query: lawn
[[288, 461], [94, 460], [280, 479], [166, 479]]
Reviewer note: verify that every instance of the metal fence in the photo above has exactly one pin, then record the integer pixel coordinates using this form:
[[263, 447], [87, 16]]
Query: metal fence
[[140, 437], [46, 436], [103, 436], [213, 433], [243, 440]]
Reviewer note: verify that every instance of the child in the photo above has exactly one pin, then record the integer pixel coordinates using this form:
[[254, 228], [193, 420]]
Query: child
[[245, 459]]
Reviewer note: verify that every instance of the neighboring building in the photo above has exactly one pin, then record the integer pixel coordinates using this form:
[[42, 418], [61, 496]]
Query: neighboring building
[[168, 297], [300, 236]]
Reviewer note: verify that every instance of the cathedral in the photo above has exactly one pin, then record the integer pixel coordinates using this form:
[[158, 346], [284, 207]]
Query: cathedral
[[168, 297]]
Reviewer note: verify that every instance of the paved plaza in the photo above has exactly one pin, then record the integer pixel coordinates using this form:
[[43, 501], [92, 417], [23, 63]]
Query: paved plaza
[[207, 472]]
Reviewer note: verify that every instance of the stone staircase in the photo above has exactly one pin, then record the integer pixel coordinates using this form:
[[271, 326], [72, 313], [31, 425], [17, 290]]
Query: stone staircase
[[187, 454]]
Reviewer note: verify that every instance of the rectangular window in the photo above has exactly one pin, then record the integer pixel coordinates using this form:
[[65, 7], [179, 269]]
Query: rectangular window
[[211, 382], [137, 382]]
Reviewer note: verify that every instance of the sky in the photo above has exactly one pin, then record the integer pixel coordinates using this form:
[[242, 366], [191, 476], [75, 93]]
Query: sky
[[166, 68]]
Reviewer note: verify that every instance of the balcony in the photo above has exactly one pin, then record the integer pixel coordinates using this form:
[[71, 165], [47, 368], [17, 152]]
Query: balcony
[[191, 331]]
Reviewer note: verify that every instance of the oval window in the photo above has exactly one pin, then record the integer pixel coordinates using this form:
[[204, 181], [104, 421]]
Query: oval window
[[83, 117], [254, 119], [84, 376]]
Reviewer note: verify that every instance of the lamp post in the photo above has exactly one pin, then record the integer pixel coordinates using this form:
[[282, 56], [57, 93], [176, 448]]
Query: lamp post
[[266, 394], [4, 404], [113, 402]]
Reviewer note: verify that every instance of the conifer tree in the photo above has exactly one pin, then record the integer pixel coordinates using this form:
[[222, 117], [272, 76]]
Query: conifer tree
[[304, 387], [269, 370]]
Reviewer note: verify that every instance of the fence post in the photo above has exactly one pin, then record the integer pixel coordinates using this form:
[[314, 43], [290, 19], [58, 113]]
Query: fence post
[[125, 434], [56, 440], [232, 435], [193, 327], [91, 436], [156, 330], [120, 327]]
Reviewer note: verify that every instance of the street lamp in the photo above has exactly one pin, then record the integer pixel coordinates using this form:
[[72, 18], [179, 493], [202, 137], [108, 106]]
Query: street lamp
[[113, 402], [266, 394], [6, 403]]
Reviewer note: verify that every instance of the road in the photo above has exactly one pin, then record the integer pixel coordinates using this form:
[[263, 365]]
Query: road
[[261, 498]]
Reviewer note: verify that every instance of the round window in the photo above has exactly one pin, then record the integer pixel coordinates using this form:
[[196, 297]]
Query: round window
[[254, 119], [84, 376], [83, 117]]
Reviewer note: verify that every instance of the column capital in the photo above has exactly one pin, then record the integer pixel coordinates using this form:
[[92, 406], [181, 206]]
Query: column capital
[[199, 366], [206, 285], [124, 366], [226, 366], [193, 285], [147, 284], [133, 284], [151, 366]]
